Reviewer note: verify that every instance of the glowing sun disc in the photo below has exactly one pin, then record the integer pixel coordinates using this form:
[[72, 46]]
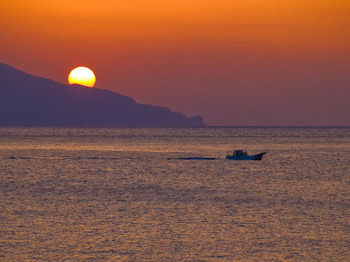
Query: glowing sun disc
[[82, 76]]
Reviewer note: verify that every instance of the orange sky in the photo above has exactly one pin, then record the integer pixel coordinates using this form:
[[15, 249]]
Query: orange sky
[[275, 62]]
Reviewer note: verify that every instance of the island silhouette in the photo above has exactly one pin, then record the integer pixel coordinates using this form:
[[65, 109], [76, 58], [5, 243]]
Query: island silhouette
[[27, 100]]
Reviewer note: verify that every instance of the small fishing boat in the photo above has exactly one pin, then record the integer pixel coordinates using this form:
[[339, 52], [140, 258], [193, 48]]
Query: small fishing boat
[[241, 155]]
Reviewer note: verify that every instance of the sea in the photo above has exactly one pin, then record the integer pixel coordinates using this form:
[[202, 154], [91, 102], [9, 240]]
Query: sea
[[135, 194]]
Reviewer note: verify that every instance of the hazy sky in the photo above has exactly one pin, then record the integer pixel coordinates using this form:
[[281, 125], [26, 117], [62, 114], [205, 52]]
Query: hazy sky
[[235, 62]]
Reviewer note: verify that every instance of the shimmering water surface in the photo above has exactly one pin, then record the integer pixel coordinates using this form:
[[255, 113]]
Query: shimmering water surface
[[114, 195]]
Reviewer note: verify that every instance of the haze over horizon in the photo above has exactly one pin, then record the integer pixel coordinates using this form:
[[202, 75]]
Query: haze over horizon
[[247, 62]]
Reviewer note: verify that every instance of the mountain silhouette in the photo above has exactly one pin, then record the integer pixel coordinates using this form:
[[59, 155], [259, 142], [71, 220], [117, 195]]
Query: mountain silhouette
[[27, 100]]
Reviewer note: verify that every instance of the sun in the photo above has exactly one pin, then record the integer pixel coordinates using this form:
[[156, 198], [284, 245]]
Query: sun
[[82, 76]]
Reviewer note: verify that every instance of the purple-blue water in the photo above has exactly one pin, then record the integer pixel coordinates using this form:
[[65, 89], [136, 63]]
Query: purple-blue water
[[114, 194]]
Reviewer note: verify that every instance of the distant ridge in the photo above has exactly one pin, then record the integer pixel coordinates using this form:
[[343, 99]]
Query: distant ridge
[[27, 100]]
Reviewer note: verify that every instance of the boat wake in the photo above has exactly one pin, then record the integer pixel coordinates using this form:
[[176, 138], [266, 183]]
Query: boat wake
[[194, 158]]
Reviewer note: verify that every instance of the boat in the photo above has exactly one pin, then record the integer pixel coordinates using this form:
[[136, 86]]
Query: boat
[[241, 155]]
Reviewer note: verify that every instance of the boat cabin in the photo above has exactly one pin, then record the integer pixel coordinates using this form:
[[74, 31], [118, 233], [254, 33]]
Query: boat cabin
[[240, 153]]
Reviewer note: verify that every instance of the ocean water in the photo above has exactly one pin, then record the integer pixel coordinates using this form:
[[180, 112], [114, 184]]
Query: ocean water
[[123, 195]]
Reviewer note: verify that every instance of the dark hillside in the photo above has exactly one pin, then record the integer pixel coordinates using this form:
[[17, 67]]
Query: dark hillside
[[27, 100]]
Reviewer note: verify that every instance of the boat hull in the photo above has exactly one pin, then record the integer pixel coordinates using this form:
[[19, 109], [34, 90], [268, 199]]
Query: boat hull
[[254, 157]]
